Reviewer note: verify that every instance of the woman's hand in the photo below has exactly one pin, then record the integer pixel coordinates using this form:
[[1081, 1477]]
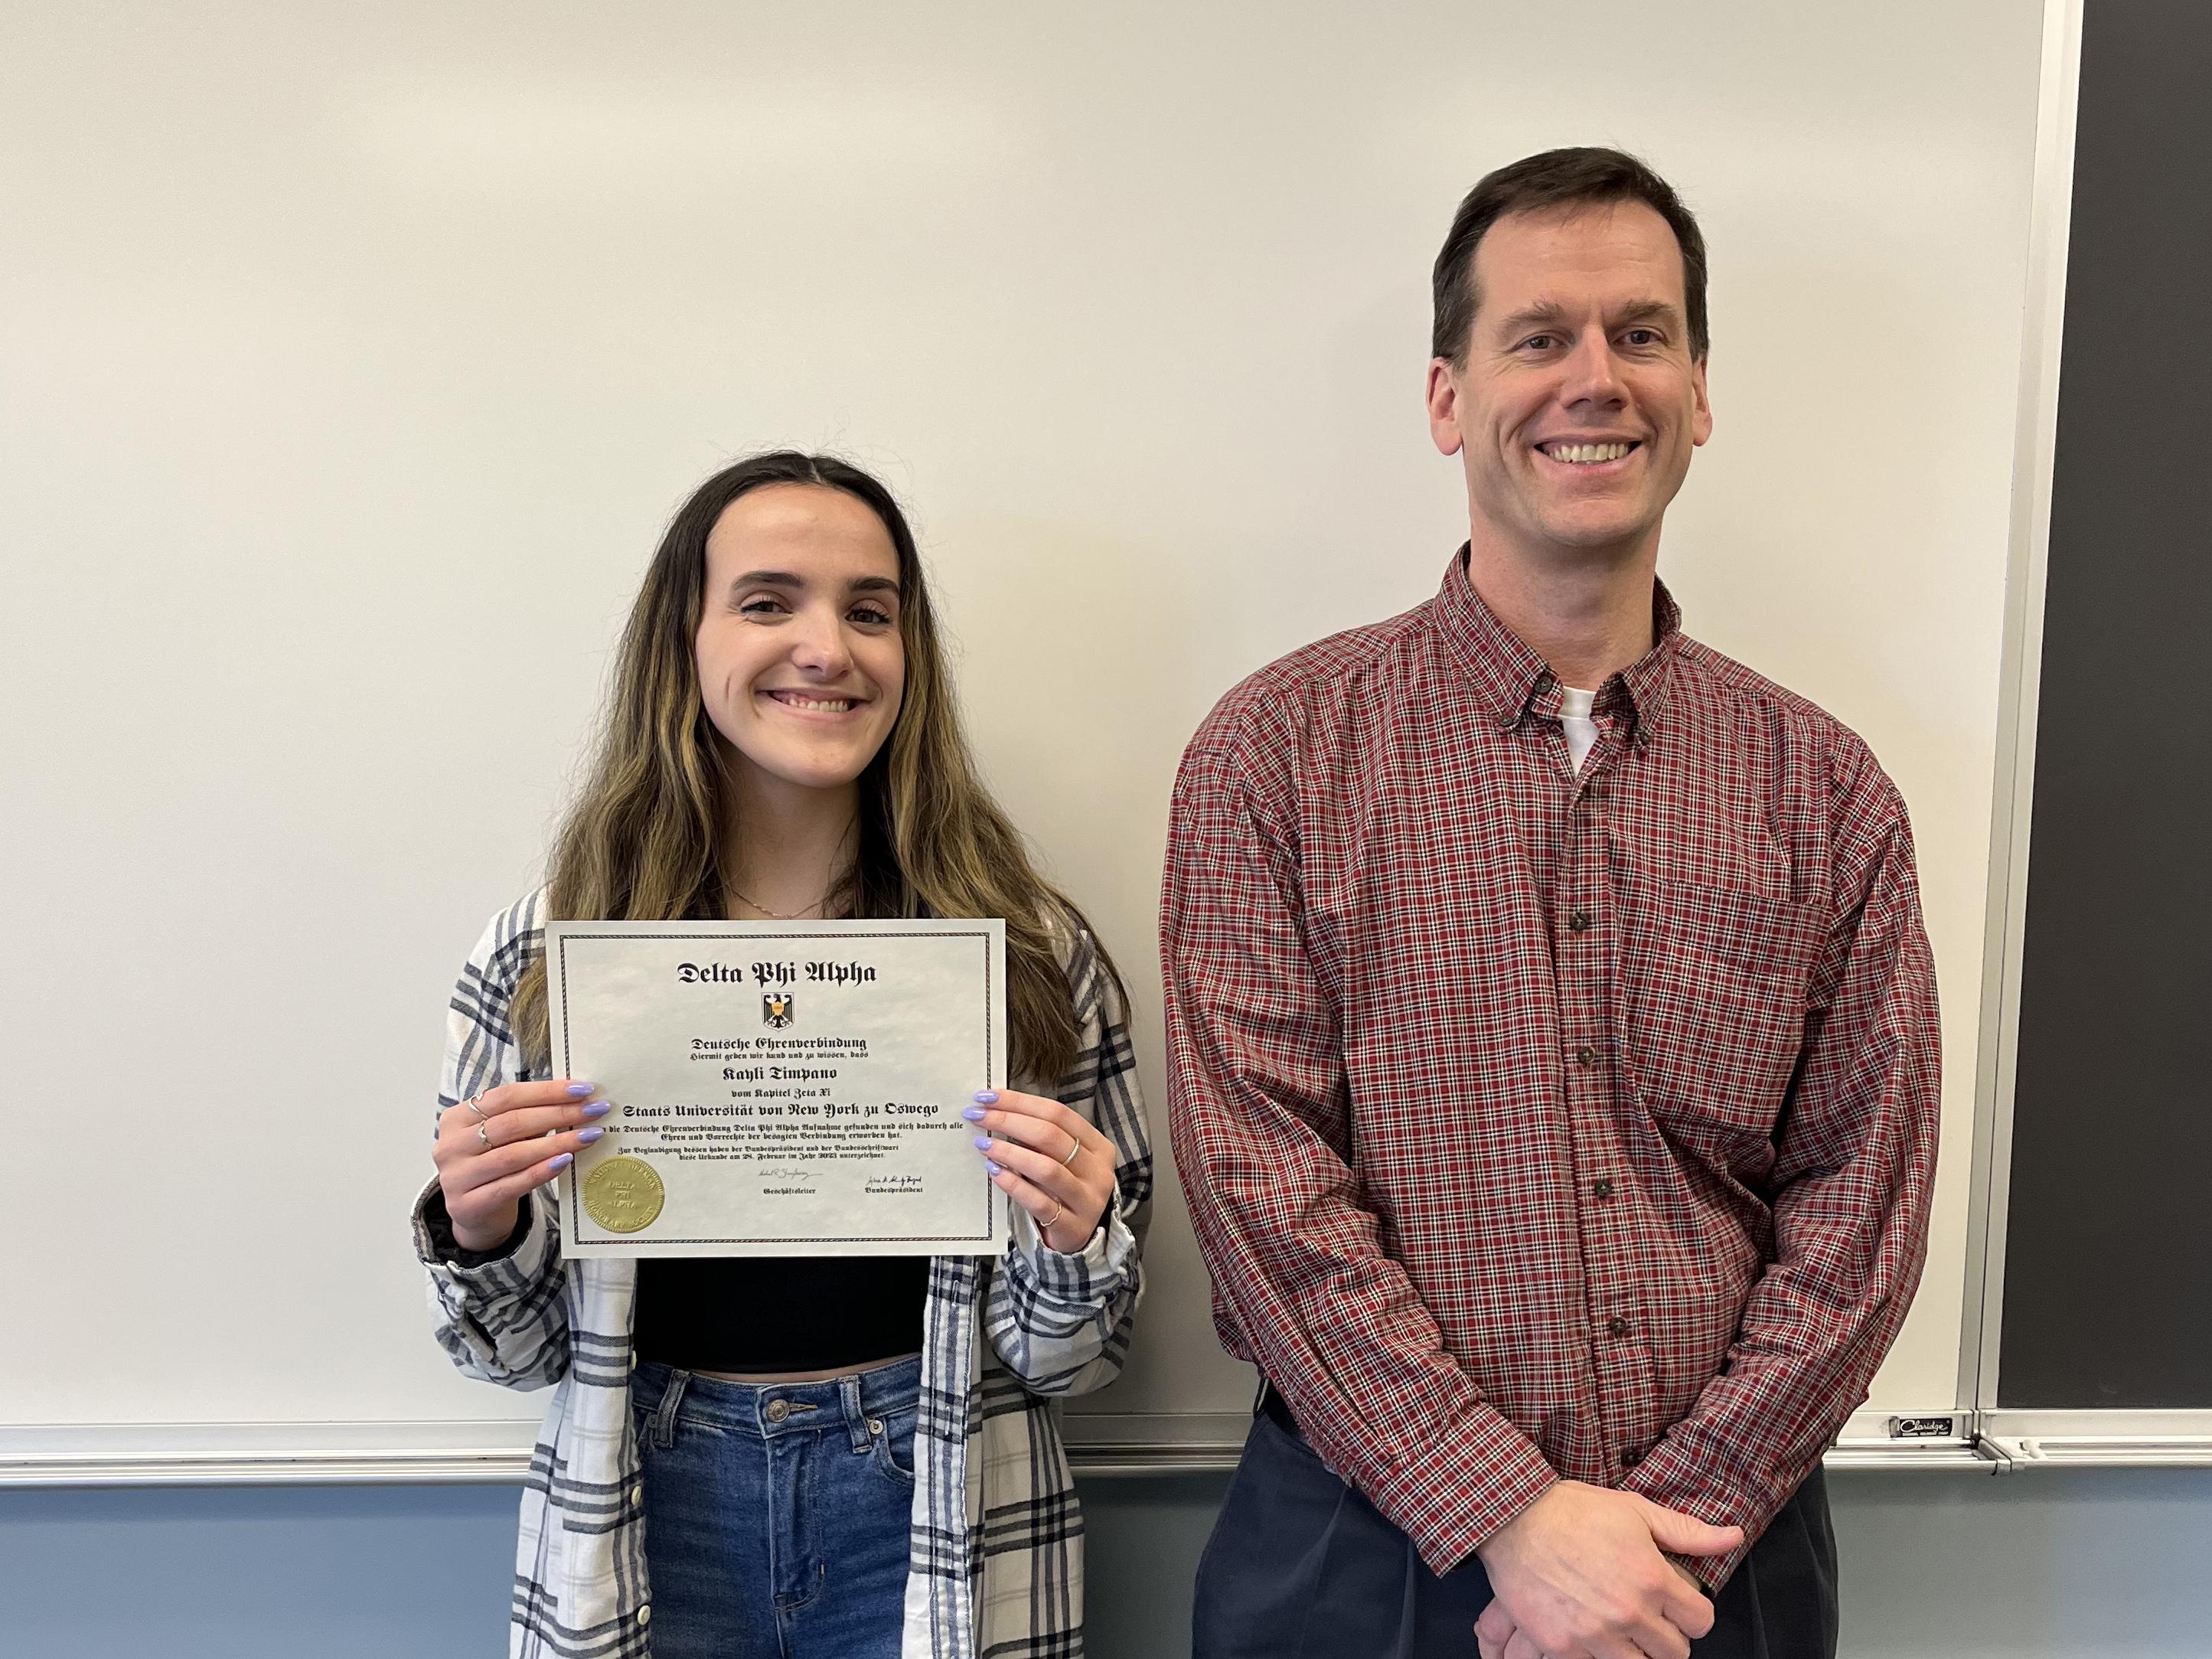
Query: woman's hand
[[496, 1148], [1047, 1160]]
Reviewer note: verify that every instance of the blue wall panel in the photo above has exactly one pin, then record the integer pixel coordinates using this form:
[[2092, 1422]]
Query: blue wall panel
[[2078, 1564]]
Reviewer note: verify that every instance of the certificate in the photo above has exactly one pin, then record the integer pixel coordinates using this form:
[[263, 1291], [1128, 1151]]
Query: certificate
[[780, 1088]]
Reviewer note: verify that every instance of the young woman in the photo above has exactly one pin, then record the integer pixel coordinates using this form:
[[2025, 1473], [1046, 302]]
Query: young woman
[[812, 1458]]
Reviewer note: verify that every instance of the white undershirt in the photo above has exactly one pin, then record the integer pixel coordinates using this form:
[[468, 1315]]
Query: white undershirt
[[1581, 729]]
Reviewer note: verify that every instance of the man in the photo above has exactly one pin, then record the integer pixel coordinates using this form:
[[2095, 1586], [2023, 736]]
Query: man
[[1552, 1033]]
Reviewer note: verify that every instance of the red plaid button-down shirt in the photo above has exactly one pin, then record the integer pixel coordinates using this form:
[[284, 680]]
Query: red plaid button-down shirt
[[1538, 1125]]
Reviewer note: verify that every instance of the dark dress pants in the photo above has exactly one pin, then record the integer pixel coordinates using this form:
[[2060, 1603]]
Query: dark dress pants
[[1301, 1566]]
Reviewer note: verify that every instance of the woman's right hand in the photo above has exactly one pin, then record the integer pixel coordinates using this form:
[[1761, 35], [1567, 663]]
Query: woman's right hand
[[492, 1151]]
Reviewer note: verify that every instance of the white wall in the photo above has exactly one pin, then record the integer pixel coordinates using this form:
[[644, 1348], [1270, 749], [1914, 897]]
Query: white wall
[[351, 357]]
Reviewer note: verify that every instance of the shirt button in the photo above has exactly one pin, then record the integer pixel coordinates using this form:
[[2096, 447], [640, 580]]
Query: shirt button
[[1616, 1326], [1601, 1187], [637, 1497], [777, 1410], [1578, 922], [645, 1615], [1630, 1457], [1586, 1055]]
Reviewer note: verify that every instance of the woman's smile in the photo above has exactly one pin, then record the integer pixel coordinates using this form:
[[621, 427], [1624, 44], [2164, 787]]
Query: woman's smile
[[815, 704]]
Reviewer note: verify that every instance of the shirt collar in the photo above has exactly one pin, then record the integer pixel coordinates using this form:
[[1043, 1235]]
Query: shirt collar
[[1512, 680]]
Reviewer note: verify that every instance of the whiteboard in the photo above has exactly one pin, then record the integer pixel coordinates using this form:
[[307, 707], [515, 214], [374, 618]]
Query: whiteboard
[[351, 359]]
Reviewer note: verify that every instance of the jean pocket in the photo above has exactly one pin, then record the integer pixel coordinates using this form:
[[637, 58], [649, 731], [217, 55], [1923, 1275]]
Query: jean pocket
[[892, 1451]]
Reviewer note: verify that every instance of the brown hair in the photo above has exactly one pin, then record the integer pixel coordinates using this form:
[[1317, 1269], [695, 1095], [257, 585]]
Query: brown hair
[[1558, 177], [642, 841]]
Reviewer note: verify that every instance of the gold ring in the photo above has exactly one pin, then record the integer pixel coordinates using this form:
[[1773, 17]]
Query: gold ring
[[483, 1136], [1059, 1210], [1068, 1163]]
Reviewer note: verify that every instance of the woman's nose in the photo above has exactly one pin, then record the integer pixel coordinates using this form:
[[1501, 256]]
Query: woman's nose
[[820, 647]]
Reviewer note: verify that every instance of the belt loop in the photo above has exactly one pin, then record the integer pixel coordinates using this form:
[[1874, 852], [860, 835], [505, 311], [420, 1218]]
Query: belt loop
[[664, 1414], [856, 1417]]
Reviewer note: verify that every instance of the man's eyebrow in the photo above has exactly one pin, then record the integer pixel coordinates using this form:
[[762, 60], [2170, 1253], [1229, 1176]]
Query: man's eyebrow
[[1649, 311], [1550, 314]]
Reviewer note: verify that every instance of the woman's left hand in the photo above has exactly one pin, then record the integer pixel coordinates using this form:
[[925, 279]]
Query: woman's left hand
[[1047, 1160]]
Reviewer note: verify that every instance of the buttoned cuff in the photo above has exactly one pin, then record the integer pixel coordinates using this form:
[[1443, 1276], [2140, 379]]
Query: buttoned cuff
[[468, 1280], [1084, 1278], [1668, 1477], [1452, 1500]]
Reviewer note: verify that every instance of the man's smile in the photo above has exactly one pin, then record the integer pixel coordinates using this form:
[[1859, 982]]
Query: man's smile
[[1588, 453]]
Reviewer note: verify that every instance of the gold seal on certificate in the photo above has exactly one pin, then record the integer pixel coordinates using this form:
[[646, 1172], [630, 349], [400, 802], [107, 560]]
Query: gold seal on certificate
[[622, 1194], [780, 1088]]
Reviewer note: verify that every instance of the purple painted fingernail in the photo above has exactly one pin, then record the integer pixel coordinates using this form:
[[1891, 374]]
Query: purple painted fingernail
[[587, 1136], [982, 1143], [564, 1160], [598, 1108], [973, 1114], [579, 1090], [987, 1097], [992, 1168]]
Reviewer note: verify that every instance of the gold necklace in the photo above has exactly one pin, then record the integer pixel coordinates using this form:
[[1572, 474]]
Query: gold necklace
[[799, 915], [775, 915]]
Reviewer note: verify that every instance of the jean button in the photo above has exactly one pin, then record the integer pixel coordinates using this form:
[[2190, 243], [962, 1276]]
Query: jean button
[[777, 1410]]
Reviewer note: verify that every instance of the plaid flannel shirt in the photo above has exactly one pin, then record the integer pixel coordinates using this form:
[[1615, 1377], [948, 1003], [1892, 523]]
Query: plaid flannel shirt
[[1539, 1123], [997, 1564]]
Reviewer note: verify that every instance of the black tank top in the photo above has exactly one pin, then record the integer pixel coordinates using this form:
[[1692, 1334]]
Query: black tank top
[[779, 1313]]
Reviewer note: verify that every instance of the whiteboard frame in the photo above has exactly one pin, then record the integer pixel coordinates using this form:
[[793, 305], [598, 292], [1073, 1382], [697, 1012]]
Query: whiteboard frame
[[2043, 329], [497, 1452]]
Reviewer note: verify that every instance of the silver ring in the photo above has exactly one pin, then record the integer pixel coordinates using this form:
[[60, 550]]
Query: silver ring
[[1059, 1210], [471, 1103], [483, 1136], [1068, 1163]]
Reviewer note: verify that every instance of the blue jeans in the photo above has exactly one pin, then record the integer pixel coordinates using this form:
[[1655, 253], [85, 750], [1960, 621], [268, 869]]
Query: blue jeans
[[777, 1514]]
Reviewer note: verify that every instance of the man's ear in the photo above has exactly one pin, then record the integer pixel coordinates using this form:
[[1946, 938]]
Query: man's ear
[[1701, 417], [1443, 407]]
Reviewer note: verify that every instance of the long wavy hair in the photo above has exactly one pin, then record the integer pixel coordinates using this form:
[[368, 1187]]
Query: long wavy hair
[[643, 840]]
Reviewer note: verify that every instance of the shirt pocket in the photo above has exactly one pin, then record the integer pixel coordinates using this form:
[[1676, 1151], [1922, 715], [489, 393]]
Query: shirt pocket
[[1713, 987]]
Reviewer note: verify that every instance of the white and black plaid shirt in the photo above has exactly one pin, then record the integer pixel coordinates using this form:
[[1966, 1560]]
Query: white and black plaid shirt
[[997, 1565]]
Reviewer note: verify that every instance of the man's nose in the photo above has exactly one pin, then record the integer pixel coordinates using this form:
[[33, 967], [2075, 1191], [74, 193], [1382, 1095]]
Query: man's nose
[[1593, 374]]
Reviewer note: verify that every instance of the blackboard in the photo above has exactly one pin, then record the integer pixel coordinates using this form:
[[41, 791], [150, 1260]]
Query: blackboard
[[2108, 1236]]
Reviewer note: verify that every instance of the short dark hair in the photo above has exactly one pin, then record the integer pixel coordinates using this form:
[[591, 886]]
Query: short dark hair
[[1558, 178]]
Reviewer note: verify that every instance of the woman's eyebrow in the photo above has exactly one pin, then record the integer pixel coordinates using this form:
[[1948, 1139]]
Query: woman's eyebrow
[[787, 579]]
